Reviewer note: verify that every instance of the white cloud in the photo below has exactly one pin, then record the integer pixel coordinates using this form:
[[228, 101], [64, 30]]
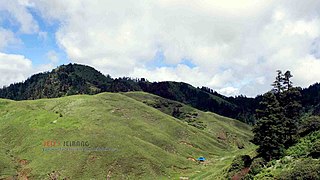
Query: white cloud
[[53, 57], [301, 27], [18, 11], [7, 38], [236, 46], [43, 36], [181, 73], [16, 21], [307, 71], [17, 68], [14, 68], [229, 91]]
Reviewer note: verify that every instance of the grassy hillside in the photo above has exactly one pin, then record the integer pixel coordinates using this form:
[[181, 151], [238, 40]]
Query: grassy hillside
[[138, 141], [204, 99], [227, 130]]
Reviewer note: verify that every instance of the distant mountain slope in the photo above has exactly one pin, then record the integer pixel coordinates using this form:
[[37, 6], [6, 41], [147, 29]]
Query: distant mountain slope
[[75, 79], [141, 142], [188, 94]]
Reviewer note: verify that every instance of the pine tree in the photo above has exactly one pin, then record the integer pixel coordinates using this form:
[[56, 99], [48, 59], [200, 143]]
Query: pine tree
[[269, 132], [278, 83], [286, 80], [290, 101], [280, 111]]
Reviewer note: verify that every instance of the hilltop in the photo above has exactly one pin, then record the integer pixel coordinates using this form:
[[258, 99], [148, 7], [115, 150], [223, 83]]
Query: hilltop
[[62, 81], [141, 141]]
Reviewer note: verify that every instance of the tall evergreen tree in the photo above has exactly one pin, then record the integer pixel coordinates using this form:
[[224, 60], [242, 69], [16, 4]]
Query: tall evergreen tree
[[292, 112], [278, 83], [286, 80], [290, 101], [269, 132], [279, 113]]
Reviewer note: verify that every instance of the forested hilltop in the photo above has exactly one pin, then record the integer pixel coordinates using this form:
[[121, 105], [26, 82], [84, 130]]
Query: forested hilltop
[[74, 79]]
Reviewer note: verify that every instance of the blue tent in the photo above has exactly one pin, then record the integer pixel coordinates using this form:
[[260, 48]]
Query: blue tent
[[201, 159]]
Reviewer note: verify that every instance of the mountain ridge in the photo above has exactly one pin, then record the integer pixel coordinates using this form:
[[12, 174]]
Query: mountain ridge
[[74, 79]]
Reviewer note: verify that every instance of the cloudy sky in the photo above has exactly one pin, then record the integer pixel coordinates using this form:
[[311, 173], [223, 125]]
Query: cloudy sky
[[232, 46]]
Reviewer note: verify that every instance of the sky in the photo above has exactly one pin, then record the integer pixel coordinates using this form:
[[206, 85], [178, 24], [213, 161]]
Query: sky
[[231, 46]]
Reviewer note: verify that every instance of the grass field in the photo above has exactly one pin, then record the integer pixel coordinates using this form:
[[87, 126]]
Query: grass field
[[139, 141]]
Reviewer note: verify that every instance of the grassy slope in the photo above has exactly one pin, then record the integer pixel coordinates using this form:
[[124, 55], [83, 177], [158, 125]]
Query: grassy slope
[[216, 125], [149, 144], [227, 131]]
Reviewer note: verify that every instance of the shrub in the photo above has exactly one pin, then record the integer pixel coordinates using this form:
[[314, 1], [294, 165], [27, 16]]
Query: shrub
[[239, 163], [304, 169], [257, 165], [309, 125], [304, 146], [315, 150]]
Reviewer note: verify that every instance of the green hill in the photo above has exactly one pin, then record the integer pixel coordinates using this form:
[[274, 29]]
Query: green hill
[[73, 79], [209, 122], [136, 141]]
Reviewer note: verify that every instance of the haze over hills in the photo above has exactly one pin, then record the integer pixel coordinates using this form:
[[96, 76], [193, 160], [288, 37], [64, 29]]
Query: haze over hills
[[74, 79]]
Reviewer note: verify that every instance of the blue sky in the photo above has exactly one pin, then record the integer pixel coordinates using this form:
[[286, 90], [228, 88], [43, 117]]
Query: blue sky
[[233, 47], [35, 46]]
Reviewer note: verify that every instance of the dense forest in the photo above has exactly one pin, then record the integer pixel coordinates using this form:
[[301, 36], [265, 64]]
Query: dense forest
[[74, 79]]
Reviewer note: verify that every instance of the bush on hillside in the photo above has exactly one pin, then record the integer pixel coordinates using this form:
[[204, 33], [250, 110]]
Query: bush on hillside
[[238, 164], [257, 165], [309, 125], [315, 150], [304, 146], [304, 169]]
